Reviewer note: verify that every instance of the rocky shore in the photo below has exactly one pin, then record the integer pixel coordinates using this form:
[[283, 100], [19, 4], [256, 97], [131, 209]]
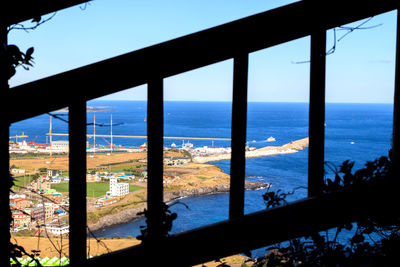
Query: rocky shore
[[128, 215], [292, 147]]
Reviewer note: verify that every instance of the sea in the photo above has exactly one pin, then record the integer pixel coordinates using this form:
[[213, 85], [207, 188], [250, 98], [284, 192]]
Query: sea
[[356, 132]]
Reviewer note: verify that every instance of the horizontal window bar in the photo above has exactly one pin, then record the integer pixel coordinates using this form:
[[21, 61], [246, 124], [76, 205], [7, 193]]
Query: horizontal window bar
[[187, 53]]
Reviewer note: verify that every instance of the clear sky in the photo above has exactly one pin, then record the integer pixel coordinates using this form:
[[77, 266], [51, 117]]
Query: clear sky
[[360, 70]]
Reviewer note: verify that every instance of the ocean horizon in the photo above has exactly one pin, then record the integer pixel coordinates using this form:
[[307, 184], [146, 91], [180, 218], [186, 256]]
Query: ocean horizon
[[359, 132]]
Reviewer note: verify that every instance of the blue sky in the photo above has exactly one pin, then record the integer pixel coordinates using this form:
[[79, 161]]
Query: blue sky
[[361, 70]]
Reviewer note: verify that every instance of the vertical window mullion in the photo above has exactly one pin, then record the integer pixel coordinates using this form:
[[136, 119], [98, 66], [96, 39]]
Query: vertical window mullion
[[396, 107], [5, 166], [77, 183], [317, 112], [155, 134], [239, 118]]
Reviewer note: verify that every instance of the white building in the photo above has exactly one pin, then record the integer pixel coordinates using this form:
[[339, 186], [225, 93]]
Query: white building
[[59, 146], [57, 228], [118, 189]]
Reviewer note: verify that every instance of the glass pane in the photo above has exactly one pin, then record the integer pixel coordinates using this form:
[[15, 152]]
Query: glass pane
[[116, 169], [39, 199], [197, 129], [360, 91], [277, 122]]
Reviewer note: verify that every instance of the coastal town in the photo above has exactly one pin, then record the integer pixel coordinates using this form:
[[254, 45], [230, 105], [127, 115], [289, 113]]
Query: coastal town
[[40, 196], [116, 181]]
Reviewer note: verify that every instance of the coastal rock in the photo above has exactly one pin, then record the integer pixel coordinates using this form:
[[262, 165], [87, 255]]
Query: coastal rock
[[121, 217], [128, 215], [222, 188]]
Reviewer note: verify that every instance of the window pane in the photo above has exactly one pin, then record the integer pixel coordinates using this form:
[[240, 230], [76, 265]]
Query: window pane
[[116, 169], [39, 199]]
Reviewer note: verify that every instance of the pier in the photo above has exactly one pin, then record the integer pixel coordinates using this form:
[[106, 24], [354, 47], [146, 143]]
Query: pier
[[145, 137]]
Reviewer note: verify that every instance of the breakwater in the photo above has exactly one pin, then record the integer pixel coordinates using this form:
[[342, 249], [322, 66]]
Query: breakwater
[[292, 147]]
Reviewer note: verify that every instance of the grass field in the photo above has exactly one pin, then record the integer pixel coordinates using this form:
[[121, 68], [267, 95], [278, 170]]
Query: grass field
[[93, 189], [22, 181]]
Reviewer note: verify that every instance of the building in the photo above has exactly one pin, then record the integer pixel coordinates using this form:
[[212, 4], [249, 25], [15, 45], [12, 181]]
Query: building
[[176, 161], [59, 146], [12, 196], [57, 228], [38, 213], [52, 173], [105, 201], [18, 171], [92, 177], [49, 210], [20, 203], [40, 184], [118, 189], [20, 219]]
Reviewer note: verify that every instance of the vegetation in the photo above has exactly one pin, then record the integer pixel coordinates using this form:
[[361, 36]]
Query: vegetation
[[31, 155], [167, 218], [22, 181], [97, 189], [117, 163], [375, 241], [94, 216]]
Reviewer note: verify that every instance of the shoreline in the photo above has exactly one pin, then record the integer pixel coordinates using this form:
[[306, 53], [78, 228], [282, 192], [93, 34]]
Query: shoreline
[[292, 147], [128, 215]]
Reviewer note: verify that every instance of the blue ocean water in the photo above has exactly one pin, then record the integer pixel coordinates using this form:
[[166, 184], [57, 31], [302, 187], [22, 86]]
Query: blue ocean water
[[359, 132]]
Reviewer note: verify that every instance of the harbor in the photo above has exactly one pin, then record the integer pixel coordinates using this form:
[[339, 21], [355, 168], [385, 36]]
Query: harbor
[[104, 143]]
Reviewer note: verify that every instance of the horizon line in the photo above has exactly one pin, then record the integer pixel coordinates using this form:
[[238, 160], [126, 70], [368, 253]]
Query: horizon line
[[227, 101]]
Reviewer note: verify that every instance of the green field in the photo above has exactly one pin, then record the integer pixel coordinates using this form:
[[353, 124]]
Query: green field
[[93, 189], [22, 181]]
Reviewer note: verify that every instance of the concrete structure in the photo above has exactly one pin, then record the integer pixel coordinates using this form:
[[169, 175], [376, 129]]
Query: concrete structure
[[36, 213], [18, 171], [20, 219], [20, 203], [59, 146], [105, 201], [40, 184], [57, 228], [118, 189], [53, 173], [176, 161]]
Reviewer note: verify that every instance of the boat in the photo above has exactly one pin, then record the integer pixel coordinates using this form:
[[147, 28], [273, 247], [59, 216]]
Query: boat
[[271, 139], [187, 145], [144, 146]]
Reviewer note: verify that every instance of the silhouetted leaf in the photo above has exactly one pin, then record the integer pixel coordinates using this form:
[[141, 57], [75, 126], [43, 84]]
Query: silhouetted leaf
[[36, 19]]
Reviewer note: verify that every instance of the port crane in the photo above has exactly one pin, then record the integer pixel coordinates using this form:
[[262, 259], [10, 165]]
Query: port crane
[[31, 142], [18, 136], [111, 145]]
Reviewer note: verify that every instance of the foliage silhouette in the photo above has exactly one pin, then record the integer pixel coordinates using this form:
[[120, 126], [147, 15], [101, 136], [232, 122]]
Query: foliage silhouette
[[167, 219], [375, 240]]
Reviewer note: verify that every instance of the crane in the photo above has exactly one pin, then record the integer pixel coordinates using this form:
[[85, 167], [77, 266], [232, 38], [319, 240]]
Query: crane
[[111, 145], [18, 136], [31, 142]]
